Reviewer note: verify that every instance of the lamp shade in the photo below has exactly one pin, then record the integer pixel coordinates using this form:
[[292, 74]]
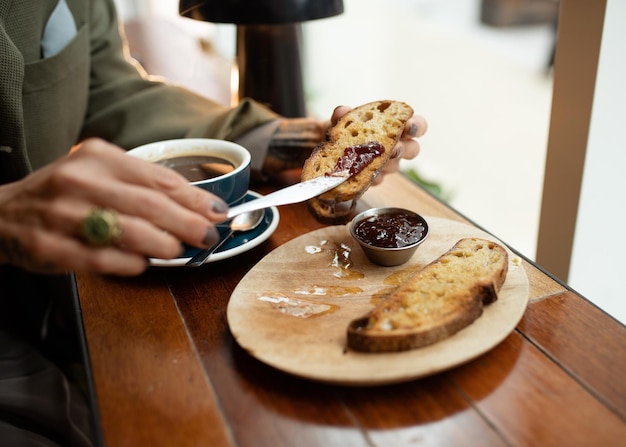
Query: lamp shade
[[256, 12]]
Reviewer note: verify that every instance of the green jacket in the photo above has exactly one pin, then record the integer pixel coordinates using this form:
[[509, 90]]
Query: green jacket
[[91, 89]]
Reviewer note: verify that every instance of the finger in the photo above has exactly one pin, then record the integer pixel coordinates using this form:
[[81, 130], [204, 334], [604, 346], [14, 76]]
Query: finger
[[177, 188], [397, 151], [200, 201], [338, 113], [113, 164], [406, 149], [128, 169], [185, 211], [410, 149], [112, 261], [54, 253], [142, 238], [107, 260], [415, 127], [378, 179], [138, 236], [393, 165], [163, 213]]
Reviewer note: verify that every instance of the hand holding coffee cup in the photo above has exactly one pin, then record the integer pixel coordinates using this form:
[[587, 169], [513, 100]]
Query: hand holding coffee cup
[[101, 210]]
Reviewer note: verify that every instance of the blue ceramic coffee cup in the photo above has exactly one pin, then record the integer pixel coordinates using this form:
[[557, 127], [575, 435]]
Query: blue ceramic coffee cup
[[218, 166]]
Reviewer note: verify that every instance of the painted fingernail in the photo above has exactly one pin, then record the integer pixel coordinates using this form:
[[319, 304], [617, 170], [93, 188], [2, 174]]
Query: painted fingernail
[[219, 206], [413, 129], [210, 237]]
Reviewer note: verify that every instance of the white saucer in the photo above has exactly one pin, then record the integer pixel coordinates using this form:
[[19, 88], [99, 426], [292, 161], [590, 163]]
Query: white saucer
[[239, 243]]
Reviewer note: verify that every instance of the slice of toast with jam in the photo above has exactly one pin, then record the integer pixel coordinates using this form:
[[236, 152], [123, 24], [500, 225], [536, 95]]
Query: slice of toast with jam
[[362, 143]]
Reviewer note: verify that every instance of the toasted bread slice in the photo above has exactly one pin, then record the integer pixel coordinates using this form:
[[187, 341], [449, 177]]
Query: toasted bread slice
[[379, 122], [441, 299]]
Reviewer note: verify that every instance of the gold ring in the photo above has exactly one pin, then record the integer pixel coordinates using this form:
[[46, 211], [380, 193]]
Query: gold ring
[[101, 227]]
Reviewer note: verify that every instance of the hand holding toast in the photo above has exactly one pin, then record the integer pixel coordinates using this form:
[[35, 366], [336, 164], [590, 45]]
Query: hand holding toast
[[406, 148], [370, 139]]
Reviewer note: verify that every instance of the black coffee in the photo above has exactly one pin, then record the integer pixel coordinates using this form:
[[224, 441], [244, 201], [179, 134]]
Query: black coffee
[[198, 167]]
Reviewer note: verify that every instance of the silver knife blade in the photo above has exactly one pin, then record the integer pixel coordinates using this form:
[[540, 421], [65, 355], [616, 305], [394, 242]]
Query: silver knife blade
[[291, 194]]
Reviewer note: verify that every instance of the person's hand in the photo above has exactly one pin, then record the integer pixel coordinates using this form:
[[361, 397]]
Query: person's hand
[[41, 215], [407, 148]]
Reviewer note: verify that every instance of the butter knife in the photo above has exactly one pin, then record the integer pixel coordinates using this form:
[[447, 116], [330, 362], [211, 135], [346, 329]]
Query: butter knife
[[291, 194]]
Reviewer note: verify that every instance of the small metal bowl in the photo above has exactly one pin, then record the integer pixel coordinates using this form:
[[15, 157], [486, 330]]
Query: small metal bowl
[[389, 236]]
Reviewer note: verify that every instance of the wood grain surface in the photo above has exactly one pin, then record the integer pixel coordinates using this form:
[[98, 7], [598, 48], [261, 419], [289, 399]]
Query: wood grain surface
[[141, 350], [292, 309], [166, 370]]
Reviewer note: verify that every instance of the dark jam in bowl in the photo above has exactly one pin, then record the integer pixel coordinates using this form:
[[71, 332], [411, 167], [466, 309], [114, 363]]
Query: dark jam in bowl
[[395, 229]]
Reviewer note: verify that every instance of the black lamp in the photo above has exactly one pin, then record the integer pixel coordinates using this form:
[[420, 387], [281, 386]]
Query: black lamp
[[269, 36]]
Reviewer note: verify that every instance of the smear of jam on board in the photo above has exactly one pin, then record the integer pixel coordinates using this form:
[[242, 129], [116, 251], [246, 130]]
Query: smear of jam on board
[[297, 307], [341, 263], [356, 158], [330, 291], [401, 276], [390, 230], [341, 258], [395, 280], [381, 295]]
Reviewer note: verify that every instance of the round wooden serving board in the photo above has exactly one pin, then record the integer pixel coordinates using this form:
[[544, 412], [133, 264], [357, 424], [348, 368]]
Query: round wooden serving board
[[292, 309]]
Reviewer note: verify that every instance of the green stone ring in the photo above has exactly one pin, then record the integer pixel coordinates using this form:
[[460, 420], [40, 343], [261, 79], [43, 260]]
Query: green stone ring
[[102, 227]]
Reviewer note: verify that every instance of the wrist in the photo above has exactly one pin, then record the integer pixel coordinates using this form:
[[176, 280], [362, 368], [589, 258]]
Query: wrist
[[291, 144]]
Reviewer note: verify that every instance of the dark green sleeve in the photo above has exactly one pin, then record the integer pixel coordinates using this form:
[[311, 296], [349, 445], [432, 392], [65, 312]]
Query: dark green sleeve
[[128, 109]]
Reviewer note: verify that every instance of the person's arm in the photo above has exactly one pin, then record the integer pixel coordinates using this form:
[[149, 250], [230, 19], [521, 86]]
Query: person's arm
[[129, 109], [288, 142], [41, 215]]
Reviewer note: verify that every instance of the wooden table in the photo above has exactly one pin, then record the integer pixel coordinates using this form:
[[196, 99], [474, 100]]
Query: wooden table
[[167, 372]]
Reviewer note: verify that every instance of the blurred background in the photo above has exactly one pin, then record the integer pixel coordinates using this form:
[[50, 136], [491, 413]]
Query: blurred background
[[480, 71], [484, 88]]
